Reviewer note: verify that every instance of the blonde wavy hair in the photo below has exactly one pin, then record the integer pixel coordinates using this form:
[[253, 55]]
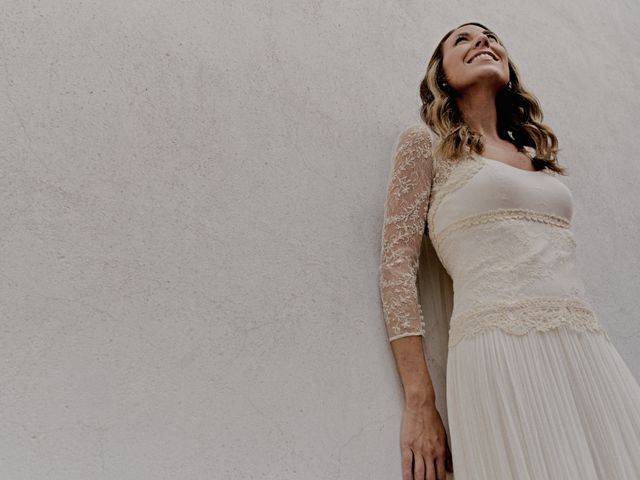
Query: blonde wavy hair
[[518, 110]]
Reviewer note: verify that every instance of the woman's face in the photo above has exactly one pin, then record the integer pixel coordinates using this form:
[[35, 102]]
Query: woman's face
[[462, 66]]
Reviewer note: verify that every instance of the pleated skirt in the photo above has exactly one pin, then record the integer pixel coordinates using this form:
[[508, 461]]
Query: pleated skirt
[[559, 404]]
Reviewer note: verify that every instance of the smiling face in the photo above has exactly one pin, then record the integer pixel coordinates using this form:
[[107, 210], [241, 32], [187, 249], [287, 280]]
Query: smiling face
[[464, 63]]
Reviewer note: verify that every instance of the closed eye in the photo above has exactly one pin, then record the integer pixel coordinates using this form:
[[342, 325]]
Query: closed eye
[[463, 36]]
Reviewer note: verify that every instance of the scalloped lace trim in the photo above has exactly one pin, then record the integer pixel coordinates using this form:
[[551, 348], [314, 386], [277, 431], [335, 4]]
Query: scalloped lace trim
[[520, 317], [496, 215]]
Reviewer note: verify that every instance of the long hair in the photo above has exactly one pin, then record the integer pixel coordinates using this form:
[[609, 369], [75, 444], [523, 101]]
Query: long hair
[[518, 110]]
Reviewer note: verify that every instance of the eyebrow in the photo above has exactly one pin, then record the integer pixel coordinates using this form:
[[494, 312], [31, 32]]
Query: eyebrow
[[466, 34]]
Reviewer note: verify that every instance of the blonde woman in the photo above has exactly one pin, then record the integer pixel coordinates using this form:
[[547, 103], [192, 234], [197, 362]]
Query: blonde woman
[[535, 389]]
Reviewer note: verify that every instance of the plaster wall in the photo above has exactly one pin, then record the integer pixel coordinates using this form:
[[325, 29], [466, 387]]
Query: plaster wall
[[191, 212]]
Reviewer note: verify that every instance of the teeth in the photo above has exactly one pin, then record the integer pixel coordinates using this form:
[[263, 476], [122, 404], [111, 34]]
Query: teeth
[[482, 55]]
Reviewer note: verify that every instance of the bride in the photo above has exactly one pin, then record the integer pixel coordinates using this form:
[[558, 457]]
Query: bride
[[534, 386]]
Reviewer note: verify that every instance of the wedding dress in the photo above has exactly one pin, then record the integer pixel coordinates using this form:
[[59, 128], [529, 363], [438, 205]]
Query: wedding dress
[[535, 389]]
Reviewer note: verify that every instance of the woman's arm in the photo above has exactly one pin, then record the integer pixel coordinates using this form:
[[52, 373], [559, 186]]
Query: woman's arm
[[414, 374], [423, 442], [404, 222], [405, 217]]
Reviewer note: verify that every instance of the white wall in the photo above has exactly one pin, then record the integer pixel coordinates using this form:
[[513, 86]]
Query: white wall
[[192, 198]]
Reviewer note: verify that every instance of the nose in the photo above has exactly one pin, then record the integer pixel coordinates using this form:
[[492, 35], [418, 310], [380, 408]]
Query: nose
[[483, 39]]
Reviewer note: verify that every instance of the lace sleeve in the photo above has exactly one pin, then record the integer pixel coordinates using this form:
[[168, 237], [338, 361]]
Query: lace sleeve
[[405, 214]]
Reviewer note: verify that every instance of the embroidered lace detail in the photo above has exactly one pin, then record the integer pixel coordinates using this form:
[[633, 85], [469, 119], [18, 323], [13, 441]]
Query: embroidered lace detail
[[503, 214], [449, 175], [520, 317], [509, 259], [512, 268], [443, 170], [405, 216]]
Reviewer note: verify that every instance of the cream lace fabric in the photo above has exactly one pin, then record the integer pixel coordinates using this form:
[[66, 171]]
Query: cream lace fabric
[[405, 214], [502, 233]]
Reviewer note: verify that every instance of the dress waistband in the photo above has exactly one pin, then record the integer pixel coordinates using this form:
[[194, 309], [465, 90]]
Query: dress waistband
[[521, 316]]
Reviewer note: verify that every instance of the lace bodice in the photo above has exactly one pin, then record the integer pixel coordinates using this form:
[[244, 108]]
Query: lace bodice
[[502, 233]]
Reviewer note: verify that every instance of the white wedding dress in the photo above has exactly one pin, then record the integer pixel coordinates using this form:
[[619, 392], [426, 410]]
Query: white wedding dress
[[535, 389]]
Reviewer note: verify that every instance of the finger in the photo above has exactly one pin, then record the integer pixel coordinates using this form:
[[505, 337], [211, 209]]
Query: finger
[[419, 468], [440, 471], [431, 471], [407, 464]]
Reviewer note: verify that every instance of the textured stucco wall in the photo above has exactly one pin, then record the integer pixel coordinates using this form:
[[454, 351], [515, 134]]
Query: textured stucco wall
[[192, 198]]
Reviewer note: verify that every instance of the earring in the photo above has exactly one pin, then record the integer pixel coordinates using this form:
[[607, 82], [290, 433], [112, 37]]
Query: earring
[[509, 87]]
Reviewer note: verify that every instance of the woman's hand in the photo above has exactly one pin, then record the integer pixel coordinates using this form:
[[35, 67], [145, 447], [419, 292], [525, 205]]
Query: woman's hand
[[423, 442]]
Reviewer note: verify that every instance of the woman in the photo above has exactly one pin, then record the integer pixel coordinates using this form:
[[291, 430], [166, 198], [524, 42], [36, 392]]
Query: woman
[[534, 387]]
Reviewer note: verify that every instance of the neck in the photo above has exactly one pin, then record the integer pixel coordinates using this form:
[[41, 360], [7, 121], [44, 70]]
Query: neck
[[478, 107]]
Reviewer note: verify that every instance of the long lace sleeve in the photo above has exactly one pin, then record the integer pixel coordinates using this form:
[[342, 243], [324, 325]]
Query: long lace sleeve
[[405, 213]]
